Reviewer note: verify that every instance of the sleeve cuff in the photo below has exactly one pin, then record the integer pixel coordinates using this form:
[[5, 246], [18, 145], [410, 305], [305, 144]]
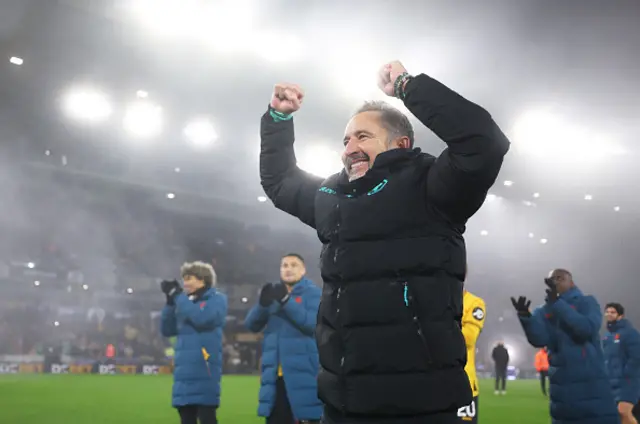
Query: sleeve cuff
[[279, 116]]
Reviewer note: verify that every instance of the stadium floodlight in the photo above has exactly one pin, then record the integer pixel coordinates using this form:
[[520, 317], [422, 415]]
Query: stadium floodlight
[[31, 265], [320, 160], [245, 300], [200, 132], [143, 119], [16, 60], [87, 104], [171, 196], [176, 169], [616, 208], [544, 241], [531, 235], [36, 283], [262, 199], [130, 290], [544, 134], [588, 197], [508, 183], [56, 323], [536, 195], [141, 94], [484, 233], [199, 21], [85, 287]]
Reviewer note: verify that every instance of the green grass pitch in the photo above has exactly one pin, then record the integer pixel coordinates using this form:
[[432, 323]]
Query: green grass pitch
[[124, 399]]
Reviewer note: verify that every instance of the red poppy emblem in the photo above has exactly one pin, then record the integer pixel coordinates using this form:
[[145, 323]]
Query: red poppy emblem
[[298, 299], [617, 337], [202, 305]]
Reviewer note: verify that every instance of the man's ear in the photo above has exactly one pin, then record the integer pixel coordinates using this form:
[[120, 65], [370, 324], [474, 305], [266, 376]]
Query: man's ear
[[401, 143]]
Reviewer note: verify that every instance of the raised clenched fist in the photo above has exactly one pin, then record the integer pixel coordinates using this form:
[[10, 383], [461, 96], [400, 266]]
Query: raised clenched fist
[[387, 76], [287, 98]]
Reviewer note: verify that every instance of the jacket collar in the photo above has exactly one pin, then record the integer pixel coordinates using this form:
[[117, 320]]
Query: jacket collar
[[384, 163], [617, 325], [200, 293], [301, 285], [572, 293]]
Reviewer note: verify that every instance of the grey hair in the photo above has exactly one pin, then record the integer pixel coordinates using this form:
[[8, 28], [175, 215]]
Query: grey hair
[[201, 271], [394, 121]]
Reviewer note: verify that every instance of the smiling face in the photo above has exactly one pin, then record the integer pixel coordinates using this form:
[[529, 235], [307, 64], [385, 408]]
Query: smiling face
[[368, 134], [192, 283], [611, 314], [292, 270]]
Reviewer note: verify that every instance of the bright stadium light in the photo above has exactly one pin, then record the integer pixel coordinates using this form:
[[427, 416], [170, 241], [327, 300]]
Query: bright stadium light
[[16, 60], [200, 132], [36, 283], [320, 160], [484, 233], [31, 265], [195, 20], [143, 119], [616, 208], [87, 104], [544, 134], [262, 199]]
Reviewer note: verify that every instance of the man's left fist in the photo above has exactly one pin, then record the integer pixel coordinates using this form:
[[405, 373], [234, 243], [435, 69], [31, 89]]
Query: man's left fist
[[387, 76], [280, 293], [171, 288]]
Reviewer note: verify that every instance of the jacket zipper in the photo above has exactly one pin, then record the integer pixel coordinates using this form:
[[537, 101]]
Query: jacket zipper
[[409, 303], [342, 376]]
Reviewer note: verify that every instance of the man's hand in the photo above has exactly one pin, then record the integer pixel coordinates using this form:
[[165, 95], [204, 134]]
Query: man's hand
[[625, 409], [171, 288], [266, 295], [522, 306], [388, 75], [280, 293], [287, 98], [552, 291]]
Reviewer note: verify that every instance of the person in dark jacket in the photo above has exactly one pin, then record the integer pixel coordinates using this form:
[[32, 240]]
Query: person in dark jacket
[[500, 356], [393, 258], [622, 357], [196, 315], [568, 324], [287, 312]]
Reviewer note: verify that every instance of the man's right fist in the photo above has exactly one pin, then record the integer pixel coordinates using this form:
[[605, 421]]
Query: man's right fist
[[286, 98]]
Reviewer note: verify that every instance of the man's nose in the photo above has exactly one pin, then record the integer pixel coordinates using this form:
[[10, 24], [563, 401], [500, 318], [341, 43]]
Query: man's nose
[[351, 147]]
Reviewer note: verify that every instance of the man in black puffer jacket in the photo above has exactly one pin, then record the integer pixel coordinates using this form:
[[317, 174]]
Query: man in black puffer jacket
[[393, 258]]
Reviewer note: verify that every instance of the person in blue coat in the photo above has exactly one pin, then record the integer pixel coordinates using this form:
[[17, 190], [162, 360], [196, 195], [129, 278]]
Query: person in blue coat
[[568, 325], [287, 312], [622, 357], [195, 314]]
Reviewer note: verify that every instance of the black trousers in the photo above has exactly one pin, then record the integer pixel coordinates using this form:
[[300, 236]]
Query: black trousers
[[281, 413], [501, 379], [333, 416], [543, 381], [191, 414]]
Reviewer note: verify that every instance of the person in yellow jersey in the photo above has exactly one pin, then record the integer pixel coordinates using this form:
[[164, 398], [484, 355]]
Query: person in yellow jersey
[[473, 316]]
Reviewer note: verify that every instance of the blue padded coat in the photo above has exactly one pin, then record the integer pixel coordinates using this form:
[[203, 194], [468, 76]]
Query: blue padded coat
[[578, 383], [197, 322], [289, 341]]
